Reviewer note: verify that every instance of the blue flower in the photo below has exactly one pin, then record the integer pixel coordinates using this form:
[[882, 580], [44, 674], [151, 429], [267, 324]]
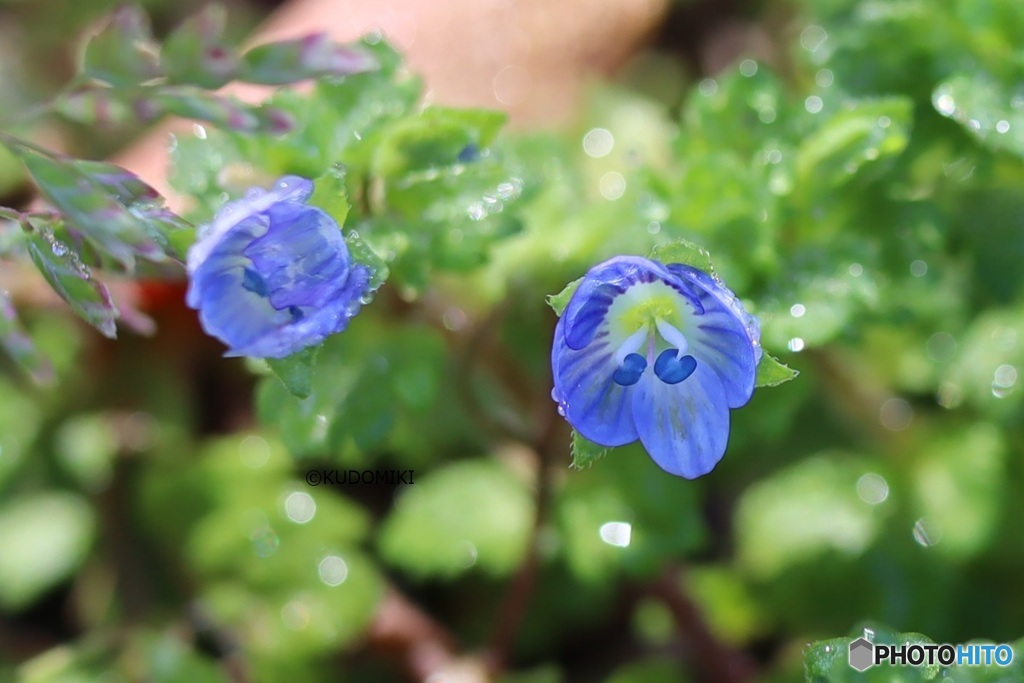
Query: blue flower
[[271, 275], [655, 353]]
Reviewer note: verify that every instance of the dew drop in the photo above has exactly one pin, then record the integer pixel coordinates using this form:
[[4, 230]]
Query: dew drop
[[748, 67], [926, 532], [813, 37], [796, 345], [1002, 126], [813, 104], [945, 104], [797, 310], [872, 488]]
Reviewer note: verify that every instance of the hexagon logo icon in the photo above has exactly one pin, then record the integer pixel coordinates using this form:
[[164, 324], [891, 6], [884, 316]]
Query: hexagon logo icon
[[862, 654]]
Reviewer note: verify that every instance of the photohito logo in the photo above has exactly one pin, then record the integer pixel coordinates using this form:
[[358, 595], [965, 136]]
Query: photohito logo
[[864, 654]]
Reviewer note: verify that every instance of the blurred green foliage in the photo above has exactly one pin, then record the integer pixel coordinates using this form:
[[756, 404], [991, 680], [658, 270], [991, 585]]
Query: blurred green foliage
[[861, 190]]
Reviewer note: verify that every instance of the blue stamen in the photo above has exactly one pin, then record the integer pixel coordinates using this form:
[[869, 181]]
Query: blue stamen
[[629, 372], [672, 370], [254, 282]]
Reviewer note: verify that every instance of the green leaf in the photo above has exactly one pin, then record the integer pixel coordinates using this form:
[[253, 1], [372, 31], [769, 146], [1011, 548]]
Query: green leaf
[[219, 110], [18, 345], [685, 252], [559, 301], [862, 133], [330, 194], [95, 106], [772, 373], [314, 56], [72, 280], [122, 53], [474, 513], [988, 110], [45, 538], [821, 492], [195, 53], [296, 371], [87, 205], [585, 451]]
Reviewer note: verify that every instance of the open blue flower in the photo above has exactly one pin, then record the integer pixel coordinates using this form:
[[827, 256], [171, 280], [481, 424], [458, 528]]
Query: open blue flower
[[271, 275], [658, 353]]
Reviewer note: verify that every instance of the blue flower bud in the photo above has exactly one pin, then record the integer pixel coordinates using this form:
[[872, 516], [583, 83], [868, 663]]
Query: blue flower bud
[[271, 275]]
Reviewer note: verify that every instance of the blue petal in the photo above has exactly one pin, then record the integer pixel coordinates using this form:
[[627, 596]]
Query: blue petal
[[290, 189], [684, 427], [312, 324], [303, 258], [234, 315], [726, 338], [591, 401], [588, 307]]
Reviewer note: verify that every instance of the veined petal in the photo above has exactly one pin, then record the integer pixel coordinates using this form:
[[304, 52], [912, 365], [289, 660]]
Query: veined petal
[[308, 326], [724, 337], [286, 189], [235, 315], [589, 306], [595, 405], [302, 258], [684, 427]]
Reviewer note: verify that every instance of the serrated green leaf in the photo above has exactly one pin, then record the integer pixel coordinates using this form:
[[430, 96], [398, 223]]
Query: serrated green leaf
[[122, 53], [296, 371], [685, 252], [86, 204], [585, 451], [559, 301], [772, 373], [71, 279]]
